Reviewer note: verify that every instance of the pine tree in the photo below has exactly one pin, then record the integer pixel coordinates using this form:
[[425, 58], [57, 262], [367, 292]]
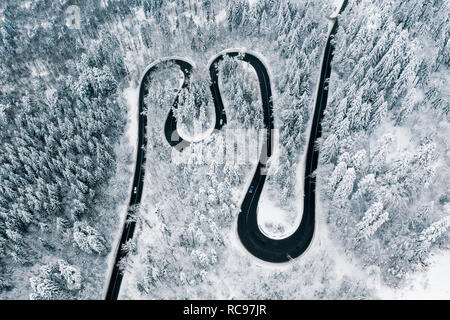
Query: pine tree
[[365, 187], [71, 274], [434, 232], [338, 173], [373, 218], [345, 187]]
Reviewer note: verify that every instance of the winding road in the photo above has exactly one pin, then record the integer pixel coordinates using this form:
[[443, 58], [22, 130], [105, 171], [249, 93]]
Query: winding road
[[258, 244], [174, 140]]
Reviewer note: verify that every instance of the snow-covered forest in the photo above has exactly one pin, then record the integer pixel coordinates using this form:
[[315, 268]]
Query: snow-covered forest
[[61, 115], [68, 125], [385, 153]]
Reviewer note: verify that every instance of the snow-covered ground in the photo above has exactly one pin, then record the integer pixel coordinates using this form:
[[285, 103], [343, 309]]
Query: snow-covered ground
[[272, 220], [433, 283]]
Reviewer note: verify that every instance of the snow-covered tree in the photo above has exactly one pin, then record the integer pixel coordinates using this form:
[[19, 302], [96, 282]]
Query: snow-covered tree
[[372, 220], [88, 239]]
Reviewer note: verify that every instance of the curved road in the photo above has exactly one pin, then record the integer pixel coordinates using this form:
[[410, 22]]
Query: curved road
[[172, 137], [258, 244]]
